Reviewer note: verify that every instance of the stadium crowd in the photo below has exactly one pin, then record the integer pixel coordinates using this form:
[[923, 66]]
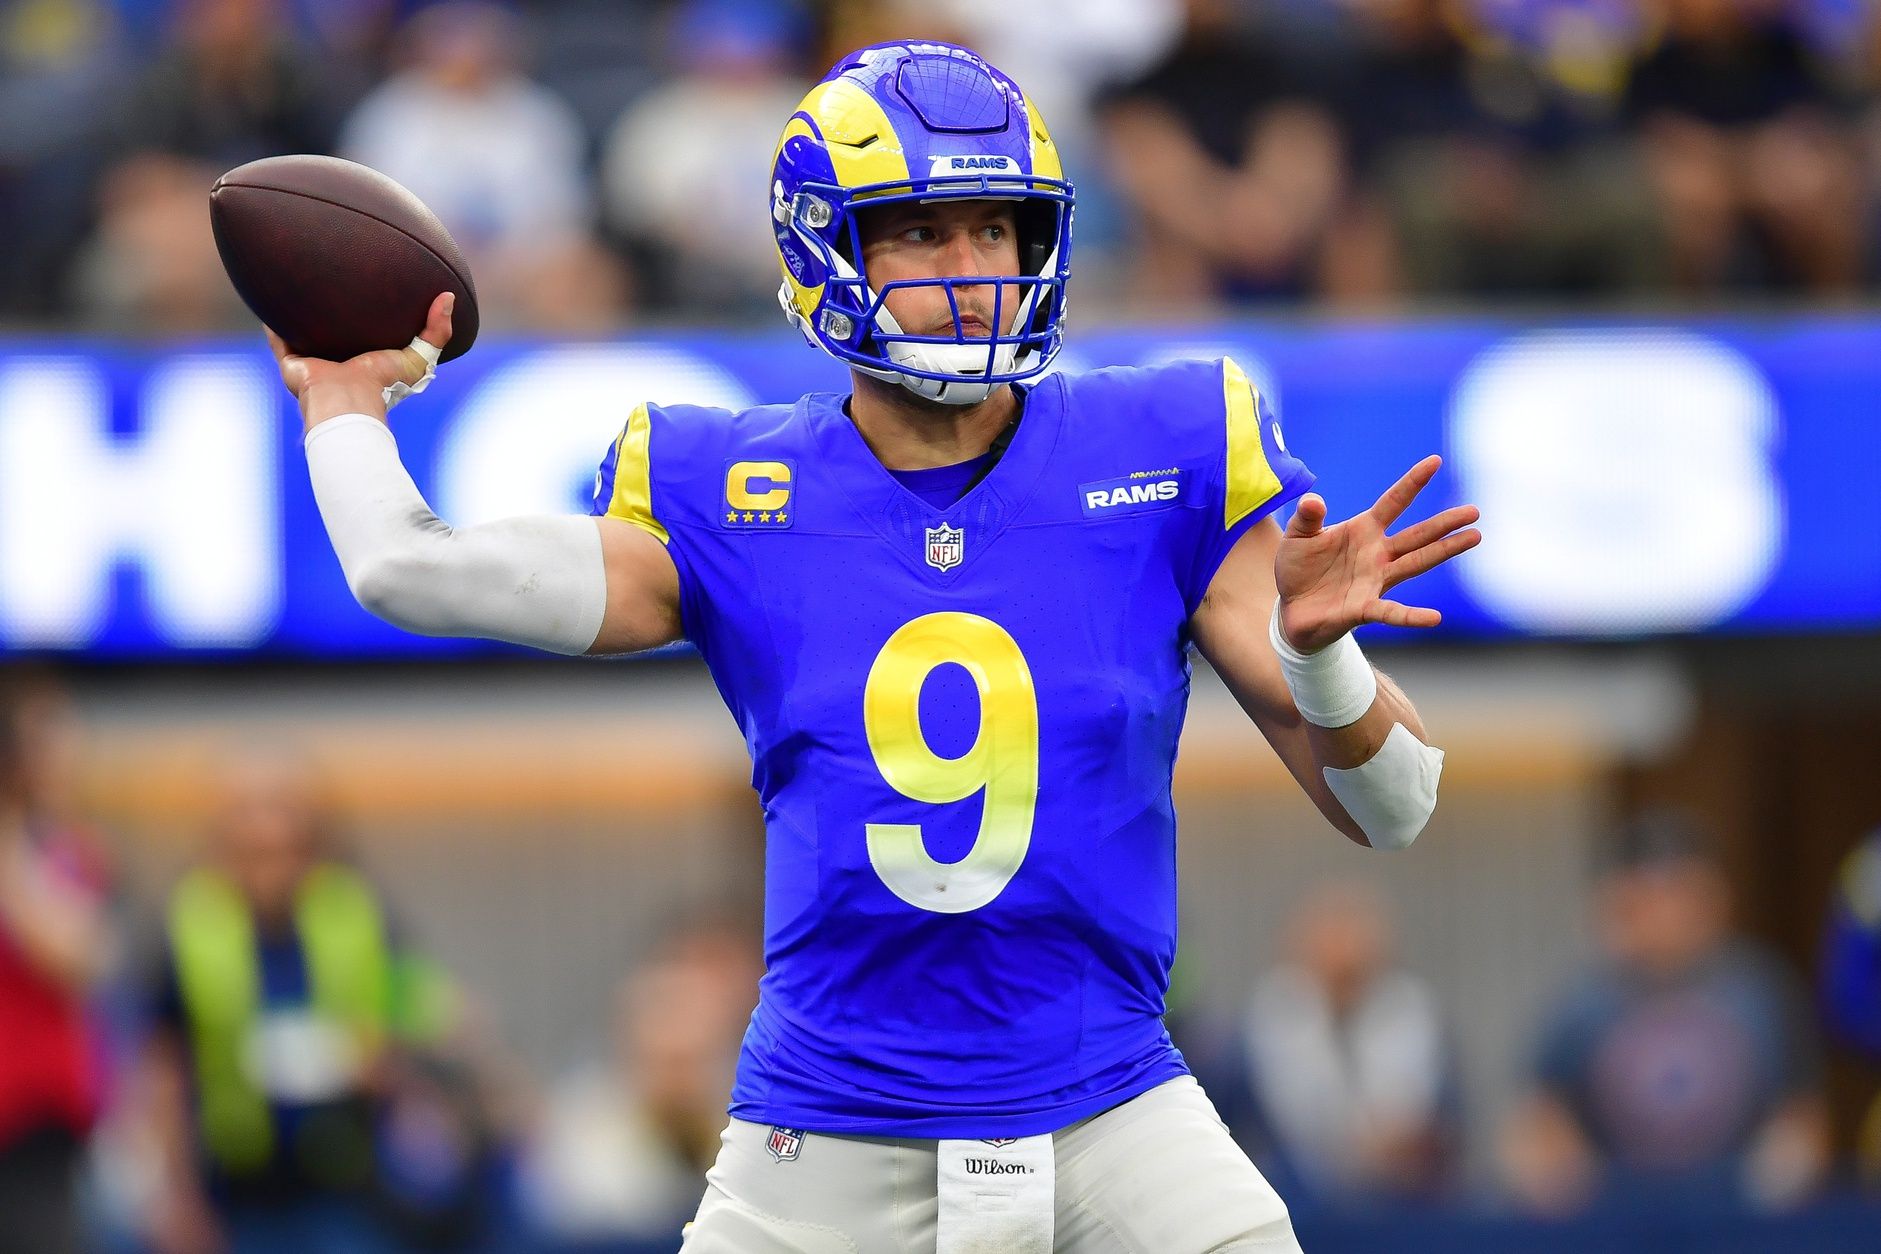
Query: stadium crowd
[[259, 1055], [602, 160]]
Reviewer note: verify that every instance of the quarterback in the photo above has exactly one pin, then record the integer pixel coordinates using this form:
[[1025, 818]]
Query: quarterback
[[951, 612]]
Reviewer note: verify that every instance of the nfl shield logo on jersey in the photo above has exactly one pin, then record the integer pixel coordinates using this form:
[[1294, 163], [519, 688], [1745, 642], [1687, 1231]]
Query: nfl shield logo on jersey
[[945, 546], [785, 1143]]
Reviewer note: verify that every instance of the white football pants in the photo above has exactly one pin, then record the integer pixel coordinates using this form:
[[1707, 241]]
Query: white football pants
[[1156, 1175]]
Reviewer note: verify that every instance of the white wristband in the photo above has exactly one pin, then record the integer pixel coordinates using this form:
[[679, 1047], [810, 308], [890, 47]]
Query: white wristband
[[399, 391], [1333, 686]]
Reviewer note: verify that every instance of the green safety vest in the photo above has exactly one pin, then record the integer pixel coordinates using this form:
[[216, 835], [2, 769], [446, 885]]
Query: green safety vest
[[351, 978]]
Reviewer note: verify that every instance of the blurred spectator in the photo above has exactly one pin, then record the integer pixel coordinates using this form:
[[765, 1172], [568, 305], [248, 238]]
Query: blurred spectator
[[1682, 1071], [61, 66], [623, 1149], [851, 24], [234, 84], [1238, 175], [272, 1077], [1350, 1091], [1852, 975], [1582, 47], [352, 27], [501, 160], [1063, 52], [687, 166], [1756, 173], [55, 943], [152, 261], [1498, 182], [598, 55]]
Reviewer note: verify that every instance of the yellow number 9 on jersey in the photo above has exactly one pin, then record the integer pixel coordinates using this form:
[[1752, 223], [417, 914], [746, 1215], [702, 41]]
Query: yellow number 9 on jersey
[[1003, 760]]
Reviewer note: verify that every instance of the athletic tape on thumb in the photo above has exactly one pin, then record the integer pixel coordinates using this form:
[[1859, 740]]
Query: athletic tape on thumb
[[400, 390]]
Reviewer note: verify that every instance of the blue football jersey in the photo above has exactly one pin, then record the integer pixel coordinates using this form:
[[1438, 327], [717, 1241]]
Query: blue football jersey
[[962, 726]]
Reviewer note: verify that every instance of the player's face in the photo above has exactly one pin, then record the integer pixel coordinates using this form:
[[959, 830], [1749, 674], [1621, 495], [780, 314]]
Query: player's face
[[950, 239]]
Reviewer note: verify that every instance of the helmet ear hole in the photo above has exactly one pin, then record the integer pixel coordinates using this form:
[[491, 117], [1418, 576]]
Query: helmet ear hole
[[1037, 224], [848, 242]]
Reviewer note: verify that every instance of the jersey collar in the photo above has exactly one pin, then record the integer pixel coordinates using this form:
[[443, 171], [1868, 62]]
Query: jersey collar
[[899, 515]]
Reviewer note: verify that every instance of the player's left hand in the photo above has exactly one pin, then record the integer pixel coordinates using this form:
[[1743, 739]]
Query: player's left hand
[[1332, 579]]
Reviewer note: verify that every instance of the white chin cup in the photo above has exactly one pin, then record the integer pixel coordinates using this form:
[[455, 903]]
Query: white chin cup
[[967, 360], [971, 361]]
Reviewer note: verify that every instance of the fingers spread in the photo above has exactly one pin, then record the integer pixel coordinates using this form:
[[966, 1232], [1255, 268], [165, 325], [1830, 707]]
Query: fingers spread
[[1398, 496], [1434, 528], [1396, 615], [1431, 556]]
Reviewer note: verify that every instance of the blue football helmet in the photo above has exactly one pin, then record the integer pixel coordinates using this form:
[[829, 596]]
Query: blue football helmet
[[920, 122]]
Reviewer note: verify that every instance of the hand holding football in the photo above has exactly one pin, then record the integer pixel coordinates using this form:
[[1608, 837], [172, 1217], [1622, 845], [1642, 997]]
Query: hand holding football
[[336, 258]]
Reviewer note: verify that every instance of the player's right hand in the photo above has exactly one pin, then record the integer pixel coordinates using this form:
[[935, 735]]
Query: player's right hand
[[327, 389]]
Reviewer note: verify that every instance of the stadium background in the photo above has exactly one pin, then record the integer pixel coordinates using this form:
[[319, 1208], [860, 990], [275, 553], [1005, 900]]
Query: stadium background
[[1615, 258]]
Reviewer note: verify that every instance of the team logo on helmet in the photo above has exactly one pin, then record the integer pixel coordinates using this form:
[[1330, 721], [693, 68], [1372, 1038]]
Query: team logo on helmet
[[943, 167]]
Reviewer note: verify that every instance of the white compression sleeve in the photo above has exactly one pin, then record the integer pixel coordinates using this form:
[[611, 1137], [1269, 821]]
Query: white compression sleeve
[[534, 581]]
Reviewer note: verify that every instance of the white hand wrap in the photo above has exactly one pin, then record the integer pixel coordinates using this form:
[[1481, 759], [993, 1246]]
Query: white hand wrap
[[534, 581], [399, 391], [1391, 794], [1333, 686]]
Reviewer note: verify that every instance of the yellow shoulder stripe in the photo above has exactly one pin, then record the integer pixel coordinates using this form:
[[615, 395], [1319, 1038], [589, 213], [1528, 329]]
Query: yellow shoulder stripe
[[633, 476], [1251, 481]]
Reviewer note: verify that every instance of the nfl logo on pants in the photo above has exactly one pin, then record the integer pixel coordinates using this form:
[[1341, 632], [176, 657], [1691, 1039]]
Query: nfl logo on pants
[[784, 1143], [945, 546]]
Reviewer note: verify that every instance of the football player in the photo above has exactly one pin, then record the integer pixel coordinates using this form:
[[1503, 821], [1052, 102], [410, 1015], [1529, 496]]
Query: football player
[[951, 612]]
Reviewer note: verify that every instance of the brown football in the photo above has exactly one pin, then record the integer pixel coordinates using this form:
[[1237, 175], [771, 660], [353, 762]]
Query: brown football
[[336, 257]]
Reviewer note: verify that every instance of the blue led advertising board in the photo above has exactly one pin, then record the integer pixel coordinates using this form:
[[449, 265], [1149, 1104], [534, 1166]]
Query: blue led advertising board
[[1636, 479]]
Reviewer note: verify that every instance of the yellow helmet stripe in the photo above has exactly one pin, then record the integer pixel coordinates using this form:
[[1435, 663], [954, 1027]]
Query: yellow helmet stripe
[[1045, 160], [806, 299], [863, 146]]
